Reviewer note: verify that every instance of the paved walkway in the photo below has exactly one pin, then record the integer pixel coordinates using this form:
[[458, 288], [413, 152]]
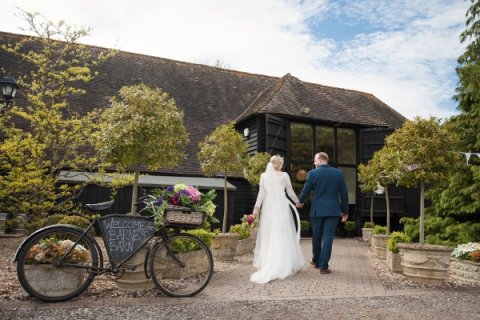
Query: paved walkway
[[352, 276]]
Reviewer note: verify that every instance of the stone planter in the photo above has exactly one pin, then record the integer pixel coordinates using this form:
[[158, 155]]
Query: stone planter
[[379, 245], [247, 245], [367, 234], [54, 281], [225, 246], [196, 262], [425, 263], [135, 280], [464, 270], [394, 261]]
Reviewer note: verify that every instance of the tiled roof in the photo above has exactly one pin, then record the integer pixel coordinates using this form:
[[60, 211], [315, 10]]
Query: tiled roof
[[213, 96], [290, 96]]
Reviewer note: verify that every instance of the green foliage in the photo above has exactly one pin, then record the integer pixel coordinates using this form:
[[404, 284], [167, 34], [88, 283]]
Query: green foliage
[[182, 245], [369, 224], [350, 225], [204, 235], [243, 231], [395, 238], [379, 230], [76, 221], [223, 151], [427, 143], [442, 230], [256, 166], [304, 225], [460, 195], [45, 135], [143, 127]]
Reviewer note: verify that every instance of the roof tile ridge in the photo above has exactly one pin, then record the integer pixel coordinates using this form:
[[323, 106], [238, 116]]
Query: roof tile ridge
[[265, 96]]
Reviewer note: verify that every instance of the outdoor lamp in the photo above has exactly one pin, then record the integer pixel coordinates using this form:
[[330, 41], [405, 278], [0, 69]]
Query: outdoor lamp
[[9, 89]]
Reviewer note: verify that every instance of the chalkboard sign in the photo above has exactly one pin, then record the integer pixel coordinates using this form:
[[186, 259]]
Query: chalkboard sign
[[124, 235]]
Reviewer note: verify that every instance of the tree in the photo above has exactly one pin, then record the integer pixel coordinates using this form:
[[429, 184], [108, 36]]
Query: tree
[[382, 170], [44, 134], [426, 149], [144, 127], [459, 196], [224, 150], [256, 166]]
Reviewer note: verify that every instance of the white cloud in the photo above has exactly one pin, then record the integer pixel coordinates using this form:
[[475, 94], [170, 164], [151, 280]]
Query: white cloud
[[408, 61]]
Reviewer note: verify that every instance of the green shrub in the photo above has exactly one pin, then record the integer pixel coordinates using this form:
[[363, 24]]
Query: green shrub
[[54, 219], [204, 235], [369, 224], [350, 225], [395, 238], [182, 245], [76, 221], [304, 225], [241, 230], [379, 230], [443, 231]]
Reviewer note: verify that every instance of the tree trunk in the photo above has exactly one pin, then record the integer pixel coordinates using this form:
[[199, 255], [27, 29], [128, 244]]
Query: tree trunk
[[422, 211], [388, 209], [371, 207], [133, 210], [225, 203]]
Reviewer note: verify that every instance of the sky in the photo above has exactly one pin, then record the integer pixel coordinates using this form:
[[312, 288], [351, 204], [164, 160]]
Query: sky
[[403, 52]]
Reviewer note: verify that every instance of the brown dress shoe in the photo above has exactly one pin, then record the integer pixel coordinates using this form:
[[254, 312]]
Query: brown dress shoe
[[313, 264], [325, 271]]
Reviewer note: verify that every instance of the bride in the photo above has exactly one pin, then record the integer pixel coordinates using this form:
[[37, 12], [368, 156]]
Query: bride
[[277, 251]]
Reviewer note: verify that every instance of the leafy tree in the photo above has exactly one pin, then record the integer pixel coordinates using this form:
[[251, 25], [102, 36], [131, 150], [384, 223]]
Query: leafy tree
[[44, 134], [143, 127], [460, 195], [426, 150], [381, 171], [256, 166], [222, 151]]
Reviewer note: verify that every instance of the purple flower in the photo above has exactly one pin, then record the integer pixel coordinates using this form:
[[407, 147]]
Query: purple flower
[[158, 202], [170, 189]]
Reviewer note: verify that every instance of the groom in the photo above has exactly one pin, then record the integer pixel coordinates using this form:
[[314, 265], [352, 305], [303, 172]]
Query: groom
[[329, 202]]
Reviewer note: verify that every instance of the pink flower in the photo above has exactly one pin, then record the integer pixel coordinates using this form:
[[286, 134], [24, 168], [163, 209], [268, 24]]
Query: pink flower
[[194, 194]]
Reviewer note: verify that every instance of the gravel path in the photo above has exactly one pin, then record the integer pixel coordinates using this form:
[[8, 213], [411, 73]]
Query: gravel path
[[435, 305]]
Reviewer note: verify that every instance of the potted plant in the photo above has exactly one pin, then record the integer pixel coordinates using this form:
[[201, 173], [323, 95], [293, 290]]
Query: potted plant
[[245, 243], [393, 256], [38, 265], [305, 229], [351, 228], [465, 262], [379, 241], [367, 231]]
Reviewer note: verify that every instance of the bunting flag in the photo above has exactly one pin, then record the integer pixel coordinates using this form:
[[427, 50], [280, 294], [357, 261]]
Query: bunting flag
[[469, 154]]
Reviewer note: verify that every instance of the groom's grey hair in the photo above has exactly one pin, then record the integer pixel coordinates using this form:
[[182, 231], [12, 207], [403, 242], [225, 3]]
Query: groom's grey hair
[[322, 156]]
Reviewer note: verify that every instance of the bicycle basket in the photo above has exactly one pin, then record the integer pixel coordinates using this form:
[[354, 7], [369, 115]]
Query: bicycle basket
[[183, 217]]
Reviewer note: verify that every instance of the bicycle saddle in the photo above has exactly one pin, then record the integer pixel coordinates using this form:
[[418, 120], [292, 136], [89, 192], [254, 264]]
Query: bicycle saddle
[[99, 206]]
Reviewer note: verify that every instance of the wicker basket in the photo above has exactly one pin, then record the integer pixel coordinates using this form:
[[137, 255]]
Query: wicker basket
[[182, 216]]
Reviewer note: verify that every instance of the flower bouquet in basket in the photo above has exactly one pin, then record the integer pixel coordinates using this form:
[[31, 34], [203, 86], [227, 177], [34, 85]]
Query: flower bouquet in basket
[[181, 195]]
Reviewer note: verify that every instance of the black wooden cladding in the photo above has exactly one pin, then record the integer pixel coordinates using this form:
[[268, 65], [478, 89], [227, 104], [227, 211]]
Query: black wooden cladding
[[403, 202]]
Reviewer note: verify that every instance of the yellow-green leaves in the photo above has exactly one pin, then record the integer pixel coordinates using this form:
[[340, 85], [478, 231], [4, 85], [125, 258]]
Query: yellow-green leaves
[[224, 150], [256, 166], [143, 127]]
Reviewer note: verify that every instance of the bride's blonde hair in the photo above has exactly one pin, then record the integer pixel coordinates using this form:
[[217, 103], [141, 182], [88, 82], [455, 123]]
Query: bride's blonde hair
[[277, 160]]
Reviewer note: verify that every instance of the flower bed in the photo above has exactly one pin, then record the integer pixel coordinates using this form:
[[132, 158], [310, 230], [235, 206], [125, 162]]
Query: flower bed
[[465, 262], [50, 249]]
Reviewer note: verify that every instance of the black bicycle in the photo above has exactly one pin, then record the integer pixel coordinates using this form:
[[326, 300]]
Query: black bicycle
[[58, 262]]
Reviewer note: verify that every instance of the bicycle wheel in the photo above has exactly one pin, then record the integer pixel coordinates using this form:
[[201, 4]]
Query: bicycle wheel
[[42, 272], [182, 267]]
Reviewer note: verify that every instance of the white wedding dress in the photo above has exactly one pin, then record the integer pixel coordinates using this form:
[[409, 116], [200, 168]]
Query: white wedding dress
[[277, 251]]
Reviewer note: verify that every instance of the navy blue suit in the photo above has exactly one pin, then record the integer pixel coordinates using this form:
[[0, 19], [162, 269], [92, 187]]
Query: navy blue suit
[[329, 201]]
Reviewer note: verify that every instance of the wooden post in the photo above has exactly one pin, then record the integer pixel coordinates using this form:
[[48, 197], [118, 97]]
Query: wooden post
[[422, 211], [133, 210], [388, 209], [225, 203]]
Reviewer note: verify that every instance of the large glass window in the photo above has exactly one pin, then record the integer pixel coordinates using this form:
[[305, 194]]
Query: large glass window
[[350, 175], [301, 137], [325, 141], [346, 146]]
